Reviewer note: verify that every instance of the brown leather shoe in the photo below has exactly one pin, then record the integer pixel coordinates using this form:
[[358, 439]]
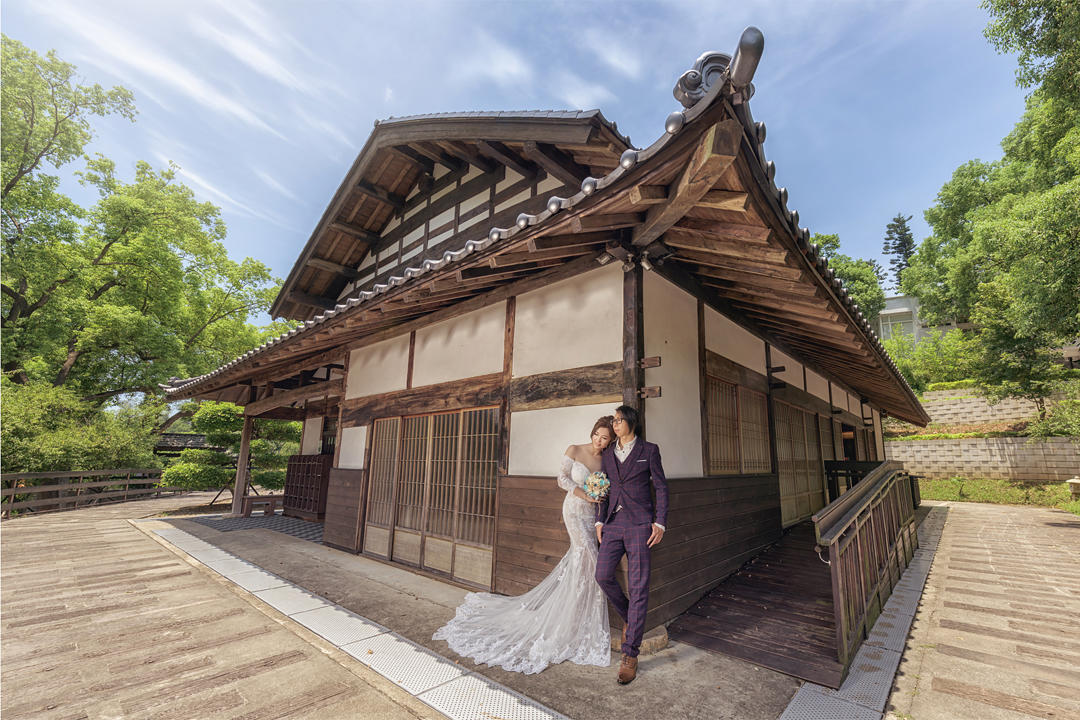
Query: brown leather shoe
[[627, 670]]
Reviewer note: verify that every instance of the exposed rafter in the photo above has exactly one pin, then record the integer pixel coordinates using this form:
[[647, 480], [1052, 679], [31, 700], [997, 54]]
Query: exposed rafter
[[374, 191], [714, 154], [507, 157], [557, 163], [343, 270]]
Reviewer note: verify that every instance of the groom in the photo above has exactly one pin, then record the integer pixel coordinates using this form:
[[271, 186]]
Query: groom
[[628, 524]]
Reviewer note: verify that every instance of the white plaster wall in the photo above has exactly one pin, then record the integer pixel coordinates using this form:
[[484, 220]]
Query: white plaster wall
[[311, 438], [461, 347], [724, 337], [351, 453], [792, 374], [379, 368], [674, 418], [538, 438], [573, 323], [816, 385]]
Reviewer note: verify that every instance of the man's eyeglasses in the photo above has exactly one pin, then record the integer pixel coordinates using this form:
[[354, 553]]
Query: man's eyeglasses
[[618, 420]]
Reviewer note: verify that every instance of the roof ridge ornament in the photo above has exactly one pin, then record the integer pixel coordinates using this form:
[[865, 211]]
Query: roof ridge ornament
[[713, 67]]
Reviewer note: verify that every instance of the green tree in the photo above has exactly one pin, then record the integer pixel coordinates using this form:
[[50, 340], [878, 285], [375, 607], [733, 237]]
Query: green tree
[[1005, 248], [939, 357], [122, 296], [862, 278], [900, 244], [272, 442], [1046, 34], [46, 428]]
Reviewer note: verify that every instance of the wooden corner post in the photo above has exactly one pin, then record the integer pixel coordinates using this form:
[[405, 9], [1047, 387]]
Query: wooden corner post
[[634, 342], [240, 487]]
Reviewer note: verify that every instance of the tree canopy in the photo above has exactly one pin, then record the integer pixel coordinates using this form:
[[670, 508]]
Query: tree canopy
[[862, 278], [102, 303], [272, 442], [1004, 252], [118, 297]]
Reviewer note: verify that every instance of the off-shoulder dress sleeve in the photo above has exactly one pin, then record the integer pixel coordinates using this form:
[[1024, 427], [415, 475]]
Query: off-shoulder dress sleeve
[[566, 482]]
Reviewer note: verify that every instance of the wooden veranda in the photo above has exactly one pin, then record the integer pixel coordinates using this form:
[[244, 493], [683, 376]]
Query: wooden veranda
[[805, 605]]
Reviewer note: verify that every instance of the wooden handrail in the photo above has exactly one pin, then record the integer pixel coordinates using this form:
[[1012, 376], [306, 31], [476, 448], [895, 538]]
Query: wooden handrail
[[831, 521], [869, 533], [129, 483]]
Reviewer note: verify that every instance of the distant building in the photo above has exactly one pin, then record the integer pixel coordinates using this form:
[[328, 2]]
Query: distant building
[[901, 316]]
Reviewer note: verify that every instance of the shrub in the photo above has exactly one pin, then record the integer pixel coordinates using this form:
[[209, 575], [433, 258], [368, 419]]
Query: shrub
[[1062, 418], [48, 428]]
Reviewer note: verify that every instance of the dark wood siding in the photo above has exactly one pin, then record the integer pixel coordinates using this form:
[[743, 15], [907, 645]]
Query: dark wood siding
[[345, 496], [529, 534], [714, 525]]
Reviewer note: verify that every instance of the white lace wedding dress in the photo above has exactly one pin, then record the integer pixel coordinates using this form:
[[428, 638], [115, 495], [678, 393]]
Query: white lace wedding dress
[[563, 618]]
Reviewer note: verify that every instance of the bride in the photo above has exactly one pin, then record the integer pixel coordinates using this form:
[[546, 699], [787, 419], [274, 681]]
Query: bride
[[565, 617]]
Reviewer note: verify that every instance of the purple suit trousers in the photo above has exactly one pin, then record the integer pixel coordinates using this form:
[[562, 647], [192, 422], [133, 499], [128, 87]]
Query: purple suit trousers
[[628, 513]]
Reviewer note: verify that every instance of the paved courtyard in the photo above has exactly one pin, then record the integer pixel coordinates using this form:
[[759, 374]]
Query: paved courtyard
[[997, 634], [101, 621], [106, 618]]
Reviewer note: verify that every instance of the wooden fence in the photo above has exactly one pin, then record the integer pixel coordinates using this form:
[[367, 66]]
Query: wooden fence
[[869, 533], [51, 491]]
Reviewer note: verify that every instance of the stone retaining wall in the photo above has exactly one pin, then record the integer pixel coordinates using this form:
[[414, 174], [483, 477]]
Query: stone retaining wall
[[1013, 458], [951, 409]]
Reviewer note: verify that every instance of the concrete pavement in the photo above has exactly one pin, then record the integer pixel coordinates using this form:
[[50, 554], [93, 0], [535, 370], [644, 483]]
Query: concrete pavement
[[997, 634], [101, 621]]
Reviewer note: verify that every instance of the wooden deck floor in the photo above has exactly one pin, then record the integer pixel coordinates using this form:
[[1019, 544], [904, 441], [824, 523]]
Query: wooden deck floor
[[776, 612]]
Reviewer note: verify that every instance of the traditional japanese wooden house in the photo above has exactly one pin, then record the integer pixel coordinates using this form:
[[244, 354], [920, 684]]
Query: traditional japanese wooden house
[[483, 286]]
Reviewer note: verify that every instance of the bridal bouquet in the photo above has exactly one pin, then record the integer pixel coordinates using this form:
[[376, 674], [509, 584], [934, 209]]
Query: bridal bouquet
[[597, 485]]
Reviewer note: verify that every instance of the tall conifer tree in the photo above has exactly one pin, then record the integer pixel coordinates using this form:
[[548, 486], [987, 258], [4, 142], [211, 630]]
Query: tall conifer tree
[[900, 244]]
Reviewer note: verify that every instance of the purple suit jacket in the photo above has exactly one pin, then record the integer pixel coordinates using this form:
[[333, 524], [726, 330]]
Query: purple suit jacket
[[630, 485]]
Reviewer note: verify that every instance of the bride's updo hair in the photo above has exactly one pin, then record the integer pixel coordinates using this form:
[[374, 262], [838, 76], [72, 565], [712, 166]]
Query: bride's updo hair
[[604, 422]]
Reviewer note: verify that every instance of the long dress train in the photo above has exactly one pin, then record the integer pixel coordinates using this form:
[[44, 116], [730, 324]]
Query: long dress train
[[563, 618]]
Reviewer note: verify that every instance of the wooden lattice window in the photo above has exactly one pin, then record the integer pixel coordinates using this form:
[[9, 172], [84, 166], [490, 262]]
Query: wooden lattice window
[[722, 411], [479, 463], [384, 455], [329, 435], [445, 440], [435, 474], [798, 449], [738, 429]]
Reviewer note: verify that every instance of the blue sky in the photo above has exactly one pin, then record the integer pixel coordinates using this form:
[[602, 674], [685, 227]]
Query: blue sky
[[870, 105]]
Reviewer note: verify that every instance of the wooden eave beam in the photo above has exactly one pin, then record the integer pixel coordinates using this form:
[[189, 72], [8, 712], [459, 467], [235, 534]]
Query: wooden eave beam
[[715, 153], [552, 242], [424, 164], [557, 163], [713, 199], [713, 246], [598, 222], [436, 155], [387, 198], [507, 157], [756, 234], [716, 261], [355, 231], [309, 300], [343, 270], [330, 388], [469, 155]]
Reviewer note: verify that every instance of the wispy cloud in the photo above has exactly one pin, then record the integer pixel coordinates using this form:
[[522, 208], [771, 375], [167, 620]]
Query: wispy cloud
[[580, 94], [133, 57], [272, 183], [323, 127], [616, 53], [252, 54], [492, 60]]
